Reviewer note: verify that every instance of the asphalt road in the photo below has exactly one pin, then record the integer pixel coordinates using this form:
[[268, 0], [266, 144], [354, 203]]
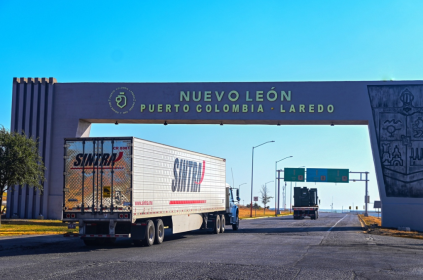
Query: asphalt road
[[332, 247]]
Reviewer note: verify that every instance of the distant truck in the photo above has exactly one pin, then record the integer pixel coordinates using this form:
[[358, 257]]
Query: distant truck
[[129, 187], [306, 203]]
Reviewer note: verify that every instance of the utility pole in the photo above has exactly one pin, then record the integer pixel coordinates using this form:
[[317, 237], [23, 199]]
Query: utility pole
[[277, 192], [279, 183], [252, 175], [366, 198], [366, 179], [290, 200]]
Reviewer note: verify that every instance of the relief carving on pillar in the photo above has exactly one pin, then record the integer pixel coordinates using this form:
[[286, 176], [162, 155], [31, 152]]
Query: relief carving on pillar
[[398, 117]]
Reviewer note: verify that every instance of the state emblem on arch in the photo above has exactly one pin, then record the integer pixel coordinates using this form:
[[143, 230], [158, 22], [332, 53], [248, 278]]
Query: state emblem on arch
[[398, 117], [122, 100]]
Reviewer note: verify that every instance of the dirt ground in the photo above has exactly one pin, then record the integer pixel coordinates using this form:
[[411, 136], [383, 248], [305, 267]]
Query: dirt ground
[[374, 227], [244, 212]]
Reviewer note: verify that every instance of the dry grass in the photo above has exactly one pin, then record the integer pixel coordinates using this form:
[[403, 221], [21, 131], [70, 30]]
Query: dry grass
[[244, 212], [34, 227], [374, 227]]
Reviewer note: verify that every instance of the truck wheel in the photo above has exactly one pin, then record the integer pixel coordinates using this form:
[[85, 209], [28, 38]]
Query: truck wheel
[[159, 232], [216, 228], [222, 224], [236, 225], [149, 233]]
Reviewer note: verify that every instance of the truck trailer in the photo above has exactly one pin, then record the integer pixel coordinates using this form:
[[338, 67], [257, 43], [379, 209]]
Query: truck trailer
[[129, 187], [306, 203]]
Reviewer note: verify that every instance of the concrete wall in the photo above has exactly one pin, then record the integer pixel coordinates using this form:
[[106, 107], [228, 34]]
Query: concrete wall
[[74, 106]]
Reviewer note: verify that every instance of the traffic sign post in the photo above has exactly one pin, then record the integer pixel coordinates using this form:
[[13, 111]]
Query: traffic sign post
[[294, 174], [255, 207]]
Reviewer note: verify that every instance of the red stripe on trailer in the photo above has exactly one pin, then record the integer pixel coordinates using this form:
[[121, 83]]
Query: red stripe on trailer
[[91, 168], [186, 202]]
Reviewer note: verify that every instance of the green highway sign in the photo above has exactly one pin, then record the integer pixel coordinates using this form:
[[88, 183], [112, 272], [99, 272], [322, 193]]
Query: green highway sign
[[294, 174], [325, 175], [339, 175]]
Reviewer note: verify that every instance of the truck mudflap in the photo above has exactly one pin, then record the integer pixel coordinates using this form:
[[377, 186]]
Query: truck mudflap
[[96, 235]]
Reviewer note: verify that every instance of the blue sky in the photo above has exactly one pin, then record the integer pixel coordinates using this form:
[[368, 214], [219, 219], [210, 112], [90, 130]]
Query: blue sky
[[191, 41]]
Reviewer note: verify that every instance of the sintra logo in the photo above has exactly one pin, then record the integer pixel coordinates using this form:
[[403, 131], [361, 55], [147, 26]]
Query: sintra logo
[[122, 100]]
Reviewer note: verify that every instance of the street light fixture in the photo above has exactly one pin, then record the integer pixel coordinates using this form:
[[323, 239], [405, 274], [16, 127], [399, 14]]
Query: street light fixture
[[276, 175], [252, 174]]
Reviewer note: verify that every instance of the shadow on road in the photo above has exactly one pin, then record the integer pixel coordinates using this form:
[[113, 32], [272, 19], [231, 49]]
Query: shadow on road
[[34, 245]]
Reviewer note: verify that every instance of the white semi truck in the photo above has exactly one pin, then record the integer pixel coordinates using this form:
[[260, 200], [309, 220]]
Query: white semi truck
[[129, 187]]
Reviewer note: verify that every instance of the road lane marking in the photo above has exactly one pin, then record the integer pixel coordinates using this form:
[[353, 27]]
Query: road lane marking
[[337, 223]]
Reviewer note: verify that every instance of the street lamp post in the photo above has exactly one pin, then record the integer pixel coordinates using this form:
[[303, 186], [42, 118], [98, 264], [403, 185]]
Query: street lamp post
[[277, 191], [241, 185], [252, 174]]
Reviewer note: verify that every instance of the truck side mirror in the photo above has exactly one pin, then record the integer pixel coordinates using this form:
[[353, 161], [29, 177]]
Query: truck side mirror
[[237, 195]]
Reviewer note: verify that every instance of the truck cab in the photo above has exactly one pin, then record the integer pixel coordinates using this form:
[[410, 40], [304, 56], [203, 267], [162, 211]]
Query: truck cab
[[232, 207]]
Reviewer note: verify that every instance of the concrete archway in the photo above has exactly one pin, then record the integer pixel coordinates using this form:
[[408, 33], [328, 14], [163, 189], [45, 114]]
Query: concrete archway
[[393, 112]]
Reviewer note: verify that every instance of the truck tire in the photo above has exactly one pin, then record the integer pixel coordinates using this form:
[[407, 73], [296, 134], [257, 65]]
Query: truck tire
[[216, 226], [222, 224], [236, 225], [149, 233], [159, 236]]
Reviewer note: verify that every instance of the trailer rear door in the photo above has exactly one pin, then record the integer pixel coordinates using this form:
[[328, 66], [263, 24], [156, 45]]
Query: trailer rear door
[[97, 175]]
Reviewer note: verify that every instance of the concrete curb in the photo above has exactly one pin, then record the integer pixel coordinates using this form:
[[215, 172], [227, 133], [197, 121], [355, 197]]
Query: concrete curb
[[363, 224]]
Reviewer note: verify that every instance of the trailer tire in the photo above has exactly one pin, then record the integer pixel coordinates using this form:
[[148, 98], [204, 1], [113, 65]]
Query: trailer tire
[[149, 233], [222, 224], [216, 226], [159, 231], [236, 225]]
